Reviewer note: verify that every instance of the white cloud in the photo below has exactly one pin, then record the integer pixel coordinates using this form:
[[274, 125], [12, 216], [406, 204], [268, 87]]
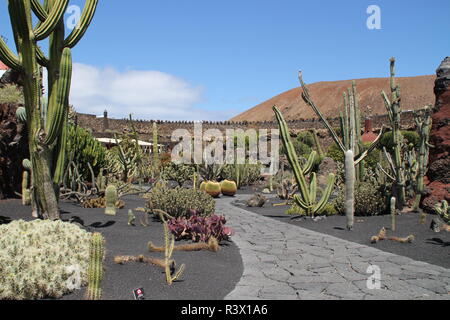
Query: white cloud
[[145, 94]]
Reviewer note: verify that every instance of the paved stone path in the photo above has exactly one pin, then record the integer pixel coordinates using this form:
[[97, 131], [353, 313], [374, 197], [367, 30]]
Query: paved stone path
[[286, 262]]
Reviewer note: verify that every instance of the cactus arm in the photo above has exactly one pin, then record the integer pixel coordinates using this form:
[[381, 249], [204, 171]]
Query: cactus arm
[[384, 171], [59, 99], [326, 195], [313, 187], [301, 203], [308, 100], [292, 157], [85, 20], [310, 163], [387, 104], [360, 157], [41, 58], [39, 10], [45, 28], [8, 57]]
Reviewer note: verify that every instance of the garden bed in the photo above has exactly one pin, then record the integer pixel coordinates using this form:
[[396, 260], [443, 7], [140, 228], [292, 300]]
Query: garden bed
[[428, 246], [207, 275]]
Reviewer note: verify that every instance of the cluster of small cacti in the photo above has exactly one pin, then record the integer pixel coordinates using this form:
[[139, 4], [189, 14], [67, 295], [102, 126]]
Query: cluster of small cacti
[[101, 203], [84, 150], [179, 173], [42, 259], [179, 202], [95, 271], [243, 174]]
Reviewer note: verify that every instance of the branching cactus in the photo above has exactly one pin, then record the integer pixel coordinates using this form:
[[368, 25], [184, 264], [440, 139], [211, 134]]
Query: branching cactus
[[169, 247], [349, 142], [423, 122], [46, 136], [308, 191], [95, 272], [443, 210], [397, 164], [111, 200]]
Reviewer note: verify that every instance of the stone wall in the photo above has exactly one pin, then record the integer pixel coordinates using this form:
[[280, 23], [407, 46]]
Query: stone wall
[[102, 126]]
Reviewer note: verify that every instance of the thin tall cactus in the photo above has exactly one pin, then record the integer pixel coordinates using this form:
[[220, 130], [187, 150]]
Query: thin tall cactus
[[423, 122], [347, 144], [394, 110], [308, 191], [46, 136]]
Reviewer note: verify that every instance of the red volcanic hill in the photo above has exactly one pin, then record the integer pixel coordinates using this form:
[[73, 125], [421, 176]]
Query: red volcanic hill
[[417, 92]]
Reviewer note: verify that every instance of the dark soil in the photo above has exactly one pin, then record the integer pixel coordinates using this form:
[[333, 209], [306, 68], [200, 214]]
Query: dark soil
[[208, 275], [428, 246]]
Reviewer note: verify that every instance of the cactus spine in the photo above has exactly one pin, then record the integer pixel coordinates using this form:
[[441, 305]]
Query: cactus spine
[[95, 272], [393, 213], [46, 136], [111, 200], [349, 138], [307, 199], [317, 144], [394, 111]]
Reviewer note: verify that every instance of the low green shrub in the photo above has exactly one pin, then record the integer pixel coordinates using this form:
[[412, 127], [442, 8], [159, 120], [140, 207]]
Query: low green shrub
[[249, 174], [411, 137], [38, 258], [330, 210], [180, 202], [179, 173], [369, 201]]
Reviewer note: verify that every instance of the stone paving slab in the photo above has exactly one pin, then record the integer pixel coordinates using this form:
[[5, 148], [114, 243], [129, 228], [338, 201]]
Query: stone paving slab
[[287, 262]]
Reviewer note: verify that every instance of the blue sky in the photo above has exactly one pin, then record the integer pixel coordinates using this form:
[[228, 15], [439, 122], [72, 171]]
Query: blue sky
[[208, 60]]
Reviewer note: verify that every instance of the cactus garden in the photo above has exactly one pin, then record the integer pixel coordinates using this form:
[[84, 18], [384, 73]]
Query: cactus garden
[[268, 205]]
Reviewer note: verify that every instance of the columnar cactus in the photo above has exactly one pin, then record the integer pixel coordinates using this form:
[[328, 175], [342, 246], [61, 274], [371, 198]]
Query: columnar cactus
[[394, 111], [393, 213], [350, 172], [169, 247], [317, 144], [95, 272], [307, 199], [423, 122], [111, 200], [46, 136], [350, 140], [26, 200]]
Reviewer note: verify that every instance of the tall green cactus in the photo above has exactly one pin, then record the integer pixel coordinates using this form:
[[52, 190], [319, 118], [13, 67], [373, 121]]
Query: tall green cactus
[[317, 144], [423, 122], [26, 200], [308, 191], [46, 136], [95, 271], [348, 143], [394, 111]]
